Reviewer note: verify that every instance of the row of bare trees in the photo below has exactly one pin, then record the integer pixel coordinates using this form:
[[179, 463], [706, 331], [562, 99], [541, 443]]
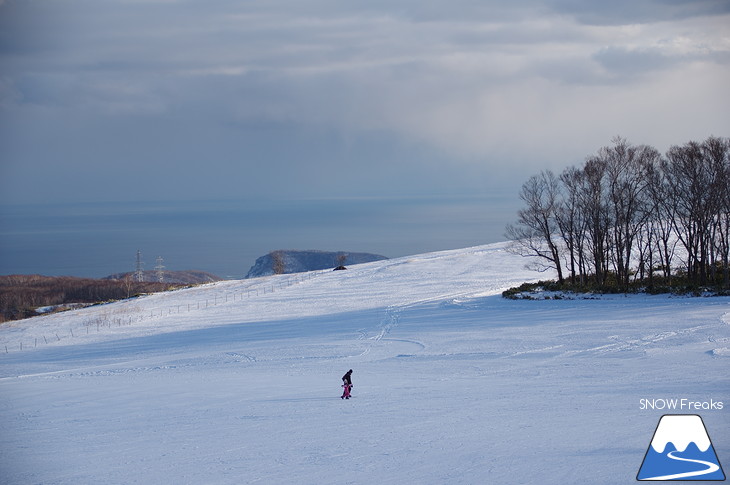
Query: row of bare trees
[[630, 213], [21, 295]]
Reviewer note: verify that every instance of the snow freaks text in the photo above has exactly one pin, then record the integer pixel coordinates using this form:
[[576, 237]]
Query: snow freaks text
[[680, 405]]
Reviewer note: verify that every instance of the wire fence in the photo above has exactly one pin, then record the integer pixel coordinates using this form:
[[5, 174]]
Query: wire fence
[[128, 312]]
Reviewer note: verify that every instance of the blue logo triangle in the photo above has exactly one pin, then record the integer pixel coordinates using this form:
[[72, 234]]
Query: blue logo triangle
[[681, 449]]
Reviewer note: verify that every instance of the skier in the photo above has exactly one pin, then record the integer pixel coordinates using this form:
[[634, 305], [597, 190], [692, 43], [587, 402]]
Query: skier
[[347, 384], [346, 392]]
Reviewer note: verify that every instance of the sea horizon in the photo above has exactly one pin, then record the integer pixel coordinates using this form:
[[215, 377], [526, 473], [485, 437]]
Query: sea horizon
[[224, 237]]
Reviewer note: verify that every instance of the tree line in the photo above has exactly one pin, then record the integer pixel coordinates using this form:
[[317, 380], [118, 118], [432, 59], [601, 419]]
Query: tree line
[[631, 214], [21, 295]]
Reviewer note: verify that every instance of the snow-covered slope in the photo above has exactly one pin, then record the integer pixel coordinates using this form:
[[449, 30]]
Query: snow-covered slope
[[239, 381], [397, 282]]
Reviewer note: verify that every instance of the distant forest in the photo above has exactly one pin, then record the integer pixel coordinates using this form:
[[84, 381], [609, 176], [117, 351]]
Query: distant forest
[[21, 295], [631, 216]]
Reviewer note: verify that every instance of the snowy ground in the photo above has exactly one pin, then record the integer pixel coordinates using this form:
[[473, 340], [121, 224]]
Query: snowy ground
[[239, 382]]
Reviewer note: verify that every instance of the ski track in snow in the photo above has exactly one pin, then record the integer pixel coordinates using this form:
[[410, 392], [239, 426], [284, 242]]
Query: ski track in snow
[[238, 381], [633, 344]]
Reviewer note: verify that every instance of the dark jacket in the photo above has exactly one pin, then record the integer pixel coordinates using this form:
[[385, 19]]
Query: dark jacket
[[346, 379]]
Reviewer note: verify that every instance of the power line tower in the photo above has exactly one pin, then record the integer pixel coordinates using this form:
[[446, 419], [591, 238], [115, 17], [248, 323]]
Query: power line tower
[[139, 271], [160, 268]]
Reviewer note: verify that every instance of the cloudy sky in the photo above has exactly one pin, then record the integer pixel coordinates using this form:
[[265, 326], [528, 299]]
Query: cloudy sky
[[174, 99], [414, 102]]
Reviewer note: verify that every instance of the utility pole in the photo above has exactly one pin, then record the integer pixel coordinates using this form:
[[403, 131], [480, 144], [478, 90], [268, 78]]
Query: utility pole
[[139, 272], [160, 268]]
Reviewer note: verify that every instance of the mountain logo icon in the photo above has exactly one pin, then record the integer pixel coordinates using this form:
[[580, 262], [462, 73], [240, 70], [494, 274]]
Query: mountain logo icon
[[681, 450]]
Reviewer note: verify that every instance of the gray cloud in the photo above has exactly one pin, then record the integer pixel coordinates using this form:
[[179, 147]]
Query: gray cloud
[[622, 12], [627, 62], [325, 90]]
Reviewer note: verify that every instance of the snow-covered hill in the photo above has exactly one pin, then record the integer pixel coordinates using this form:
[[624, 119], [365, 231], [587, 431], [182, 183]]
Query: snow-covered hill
[[294, 261], [239, 381]]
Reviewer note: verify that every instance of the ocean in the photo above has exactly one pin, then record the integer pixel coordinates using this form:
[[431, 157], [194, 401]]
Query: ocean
[[226, 237]]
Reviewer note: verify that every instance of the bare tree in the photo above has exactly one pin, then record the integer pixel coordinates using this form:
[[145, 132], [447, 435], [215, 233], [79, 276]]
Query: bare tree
[[278, 264], [129, 283], [594, 201], [662, 214], [693, 183], [571, 222], [627, 197], [717, 153], [536, 228]]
